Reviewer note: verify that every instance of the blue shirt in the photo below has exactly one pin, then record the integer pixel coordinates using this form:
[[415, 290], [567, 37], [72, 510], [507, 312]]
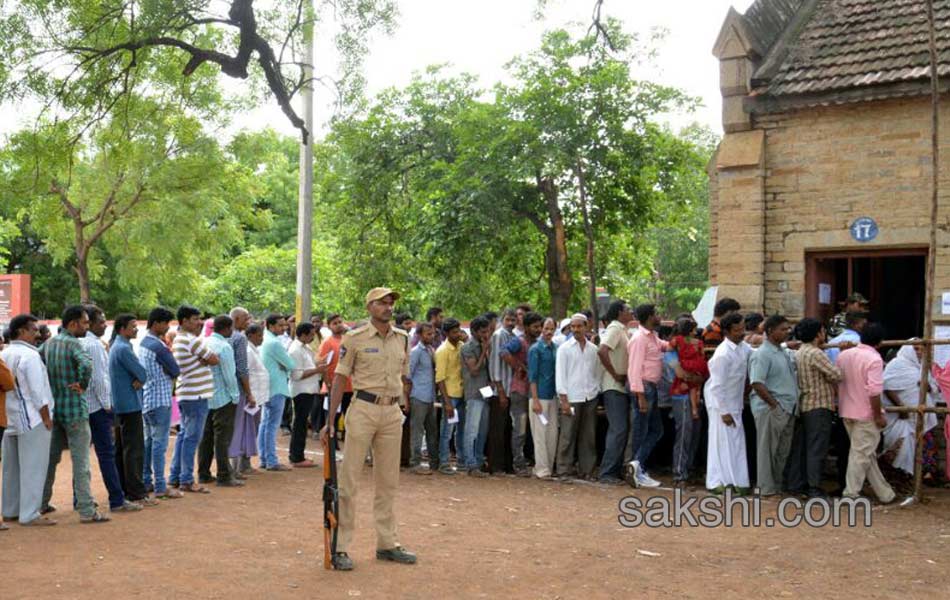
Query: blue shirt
[[225, 380], [278, 364], [124, 368], [162, 369], [422, 373], [542, 360], [670, 358], [848, 335]]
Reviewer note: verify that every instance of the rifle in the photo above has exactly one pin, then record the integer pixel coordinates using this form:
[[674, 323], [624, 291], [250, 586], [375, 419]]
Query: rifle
[[331, 502]]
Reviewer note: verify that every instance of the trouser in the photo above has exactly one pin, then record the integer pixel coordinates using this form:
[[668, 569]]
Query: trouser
[[647, 427], [449, 430], [405, 452], [193, 416], [25, 464], [518, 411], [773, 432], [287, 416], [76, 437], [219, 427], [380, 427], [423, 421], [748, 428], [686, 439], [317, 414], [809, 448], [303, 406], [267, 432], [130, 454], [157, 428], [578, 435], [498, 451], [842, 445], [101, 424], [617, 405], [545, 437], [476, 433], [862, 460]]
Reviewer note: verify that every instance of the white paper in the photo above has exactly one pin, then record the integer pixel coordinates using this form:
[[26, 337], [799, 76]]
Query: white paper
[[252, 410], [487, 392], [824, 293], [403, 418], [941, 353], [329, 357], [454, 418], [543, 419], [326, 405], [703, 315]]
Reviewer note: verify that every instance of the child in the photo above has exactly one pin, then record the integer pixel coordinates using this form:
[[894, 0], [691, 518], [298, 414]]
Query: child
[[692, 359]]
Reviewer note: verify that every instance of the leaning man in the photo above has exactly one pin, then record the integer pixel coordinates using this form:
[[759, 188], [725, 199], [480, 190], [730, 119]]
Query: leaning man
[[376, 358]]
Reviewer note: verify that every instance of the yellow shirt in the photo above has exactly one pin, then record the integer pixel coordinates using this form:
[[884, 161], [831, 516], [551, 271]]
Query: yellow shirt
[[448, 368], [375, 363]]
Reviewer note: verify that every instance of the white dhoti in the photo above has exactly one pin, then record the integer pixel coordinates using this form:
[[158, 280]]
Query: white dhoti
[[725, 456], [901, 432]]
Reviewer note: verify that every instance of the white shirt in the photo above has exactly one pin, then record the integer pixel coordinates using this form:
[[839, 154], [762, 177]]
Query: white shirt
[[303, 361], [577, 374], [31, 392], [257, 375], [99, 393], [728, 371]]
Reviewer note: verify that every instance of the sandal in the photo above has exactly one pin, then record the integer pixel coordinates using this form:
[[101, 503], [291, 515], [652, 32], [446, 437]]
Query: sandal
[[97, 517], [170, 494], [3, 527], [40, 522], [194, 488]]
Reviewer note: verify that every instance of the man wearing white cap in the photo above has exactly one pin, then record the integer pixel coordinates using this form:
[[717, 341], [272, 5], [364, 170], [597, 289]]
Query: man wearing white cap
[[577, 378], [376, 358]]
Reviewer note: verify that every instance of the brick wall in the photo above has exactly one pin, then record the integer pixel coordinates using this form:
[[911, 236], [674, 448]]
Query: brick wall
[[822, 169]]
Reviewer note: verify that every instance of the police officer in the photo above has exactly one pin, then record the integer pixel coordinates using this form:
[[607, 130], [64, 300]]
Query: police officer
[[376, 357], [856, 302]]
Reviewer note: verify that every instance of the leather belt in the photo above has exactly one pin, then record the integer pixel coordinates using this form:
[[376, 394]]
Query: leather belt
[[374, 399]]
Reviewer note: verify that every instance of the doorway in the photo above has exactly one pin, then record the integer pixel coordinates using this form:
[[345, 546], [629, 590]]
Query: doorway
[[893, 281]]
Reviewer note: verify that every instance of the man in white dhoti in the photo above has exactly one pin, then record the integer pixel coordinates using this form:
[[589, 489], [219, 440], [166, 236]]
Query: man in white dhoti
[[902, 388], [725, 391]]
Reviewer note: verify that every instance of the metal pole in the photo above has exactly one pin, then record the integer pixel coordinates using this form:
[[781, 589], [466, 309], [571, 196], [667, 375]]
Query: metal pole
[[304, 293]]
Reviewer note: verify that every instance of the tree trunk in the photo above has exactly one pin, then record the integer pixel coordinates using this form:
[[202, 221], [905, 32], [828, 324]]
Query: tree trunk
[[560, 282], [589, 235], [82, 273]]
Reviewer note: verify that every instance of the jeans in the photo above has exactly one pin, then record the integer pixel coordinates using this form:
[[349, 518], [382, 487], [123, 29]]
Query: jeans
[[458, 429], [219, 427], [157, 426], [617, 405], [100, 426], [476, 433], [687, 434], [647, 427], [271, 415], [193, 415], [518, 409], [77, 437], [303, 406], [422, 420], [130, 454]]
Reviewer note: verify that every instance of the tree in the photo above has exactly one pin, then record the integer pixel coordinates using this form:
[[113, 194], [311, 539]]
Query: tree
[[80, 56], [152, 198]]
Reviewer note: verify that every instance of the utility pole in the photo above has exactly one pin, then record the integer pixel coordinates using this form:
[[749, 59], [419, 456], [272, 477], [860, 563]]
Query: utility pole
[[305, 197]]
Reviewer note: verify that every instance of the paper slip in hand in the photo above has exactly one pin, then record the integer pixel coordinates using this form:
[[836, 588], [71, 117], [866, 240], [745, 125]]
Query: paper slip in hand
[[454, 418], [403, 419], [252, 410], [329, 357], [487, 392], [326, 405], [543, 419]]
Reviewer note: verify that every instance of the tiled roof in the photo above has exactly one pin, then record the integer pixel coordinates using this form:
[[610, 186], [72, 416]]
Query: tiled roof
[[844, 45]]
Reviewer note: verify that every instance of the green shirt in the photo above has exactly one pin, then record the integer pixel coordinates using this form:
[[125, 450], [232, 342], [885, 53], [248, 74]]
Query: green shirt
[[774, 367], [278, 364], [67, 363]]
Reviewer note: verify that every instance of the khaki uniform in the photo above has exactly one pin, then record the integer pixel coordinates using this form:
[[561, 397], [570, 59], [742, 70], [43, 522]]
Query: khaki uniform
[[376, 364]]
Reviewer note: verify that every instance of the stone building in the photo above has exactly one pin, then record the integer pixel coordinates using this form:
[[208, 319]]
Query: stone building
[[821, 185]]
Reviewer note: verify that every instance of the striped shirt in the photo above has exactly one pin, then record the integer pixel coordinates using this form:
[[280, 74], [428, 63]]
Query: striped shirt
[[818, 379], [499, 370], [99, 394], [67, 363], [195, 381]]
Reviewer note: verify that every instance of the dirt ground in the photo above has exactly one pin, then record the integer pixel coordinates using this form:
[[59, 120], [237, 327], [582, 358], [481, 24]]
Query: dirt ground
[[485, 538]]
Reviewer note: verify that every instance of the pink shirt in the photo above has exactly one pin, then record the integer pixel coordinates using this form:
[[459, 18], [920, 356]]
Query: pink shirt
[[863, 377], [645, 359]]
